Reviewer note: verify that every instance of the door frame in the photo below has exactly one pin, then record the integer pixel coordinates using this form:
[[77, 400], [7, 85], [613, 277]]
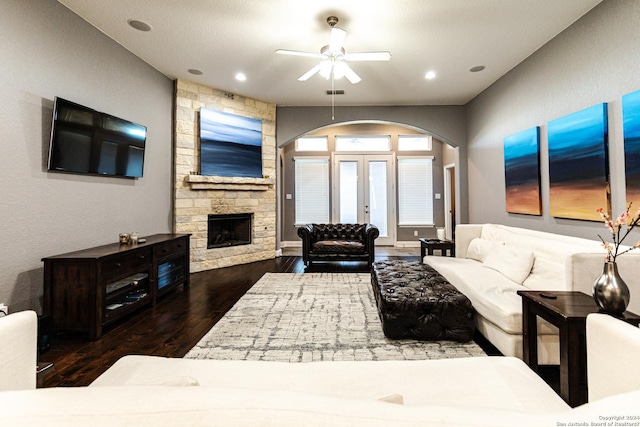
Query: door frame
[[390, 239], [449, 171]]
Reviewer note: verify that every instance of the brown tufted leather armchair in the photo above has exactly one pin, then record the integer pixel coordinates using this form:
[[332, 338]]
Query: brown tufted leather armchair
[[338, 242]]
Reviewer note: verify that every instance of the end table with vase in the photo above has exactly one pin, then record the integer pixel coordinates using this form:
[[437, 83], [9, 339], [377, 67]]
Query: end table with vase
[[567, 310]]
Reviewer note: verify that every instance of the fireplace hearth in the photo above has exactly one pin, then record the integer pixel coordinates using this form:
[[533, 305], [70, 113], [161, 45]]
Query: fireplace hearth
[[229, 230]]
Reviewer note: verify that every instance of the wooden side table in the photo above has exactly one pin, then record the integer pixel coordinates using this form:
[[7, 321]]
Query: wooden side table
[[568, 312], [428, 245]]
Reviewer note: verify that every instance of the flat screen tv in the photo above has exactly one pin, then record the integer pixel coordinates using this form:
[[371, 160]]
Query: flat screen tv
[[86, 141]]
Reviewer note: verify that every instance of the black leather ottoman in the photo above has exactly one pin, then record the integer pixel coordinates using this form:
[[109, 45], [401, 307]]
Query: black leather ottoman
[[416, 302]]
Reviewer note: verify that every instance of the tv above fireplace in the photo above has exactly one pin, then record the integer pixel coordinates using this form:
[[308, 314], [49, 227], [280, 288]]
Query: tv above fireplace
[[86, 141]]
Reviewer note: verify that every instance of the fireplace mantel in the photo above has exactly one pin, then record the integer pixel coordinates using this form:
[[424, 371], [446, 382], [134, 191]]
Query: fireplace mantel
[[203, 182]]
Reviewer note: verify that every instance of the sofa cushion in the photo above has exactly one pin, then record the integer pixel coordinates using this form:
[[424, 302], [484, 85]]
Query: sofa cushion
[[552, 254], [479, 249], [513, 263], [213, 406], [492, 294], [338, 247], [479, 382], [546, 276]]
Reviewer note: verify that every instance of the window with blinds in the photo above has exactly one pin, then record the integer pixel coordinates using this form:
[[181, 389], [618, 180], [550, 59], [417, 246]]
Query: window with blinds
[[312, 190], [415, 191]]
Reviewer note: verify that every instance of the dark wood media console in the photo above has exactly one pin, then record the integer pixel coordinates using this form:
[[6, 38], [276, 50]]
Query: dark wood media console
[[87, 290]]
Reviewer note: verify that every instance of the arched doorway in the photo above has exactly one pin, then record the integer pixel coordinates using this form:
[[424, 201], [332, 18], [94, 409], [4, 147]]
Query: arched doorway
[[404, 235]]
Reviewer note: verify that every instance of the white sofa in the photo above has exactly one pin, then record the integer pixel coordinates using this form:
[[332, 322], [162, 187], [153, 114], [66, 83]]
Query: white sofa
[[154, 391], [493, 262]]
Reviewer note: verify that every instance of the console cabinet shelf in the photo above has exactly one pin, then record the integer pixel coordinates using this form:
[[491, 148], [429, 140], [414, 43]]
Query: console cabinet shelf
[[87, 290]]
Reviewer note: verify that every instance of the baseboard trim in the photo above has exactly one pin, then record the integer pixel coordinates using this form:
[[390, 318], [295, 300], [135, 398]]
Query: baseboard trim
[[407, 244]]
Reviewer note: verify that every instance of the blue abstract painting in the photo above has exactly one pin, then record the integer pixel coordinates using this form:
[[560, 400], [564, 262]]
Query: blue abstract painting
[[230, 145], [578, 164], [522, 172], [631, 126]]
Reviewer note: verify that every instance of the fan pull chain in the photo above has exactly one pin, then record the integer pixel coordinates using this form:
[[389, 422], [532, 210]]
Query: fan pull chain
[[333, 95]]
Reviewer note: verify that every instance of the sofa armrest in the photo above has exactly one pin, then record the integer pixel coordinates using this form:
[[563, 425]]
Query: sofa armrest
[[583, 268], [613, 355], [306, 234], [371, 233], [465, 233], [18, 351]]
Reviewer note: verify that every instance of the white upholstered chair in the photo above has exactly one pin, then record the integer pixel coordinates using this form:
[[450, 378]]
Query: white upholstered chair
[[18, 351]]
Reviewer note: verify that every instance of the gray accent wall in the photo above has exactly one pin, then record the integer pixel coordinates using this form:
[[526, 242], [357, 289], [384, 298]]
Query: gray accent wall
[[48, 51], [595, 60]]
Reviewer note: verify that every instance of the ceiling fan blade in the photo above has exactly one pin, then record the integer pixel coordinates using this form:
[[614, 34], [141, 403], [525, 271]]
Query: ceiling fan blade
[[351, 75], [298, 53], [337, 39], [309, 73], [368, 56]]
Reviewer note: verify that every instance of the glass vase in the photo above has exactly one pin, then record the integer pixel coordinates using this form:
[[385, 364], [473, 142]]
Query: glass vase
[[610, 292]]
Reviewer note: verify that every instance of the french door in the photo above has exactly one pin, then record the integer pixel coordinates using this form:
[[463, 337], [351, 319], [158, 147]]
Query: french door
[[363, 192]]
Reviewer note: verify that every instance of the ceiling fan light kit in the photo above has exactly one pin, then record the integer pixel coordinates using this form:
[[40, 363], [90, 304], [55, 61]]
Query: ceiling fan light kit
[[333, 57]]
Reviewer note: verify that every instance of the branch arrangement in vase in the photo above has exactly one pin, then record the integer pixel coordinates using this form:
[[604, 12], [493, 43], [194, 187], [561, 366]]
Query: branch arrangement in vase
[[618, 234]]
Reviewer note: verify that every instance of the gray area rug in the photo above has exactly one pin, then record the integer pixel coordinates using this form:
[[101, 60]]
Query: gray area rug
[[312, 317]]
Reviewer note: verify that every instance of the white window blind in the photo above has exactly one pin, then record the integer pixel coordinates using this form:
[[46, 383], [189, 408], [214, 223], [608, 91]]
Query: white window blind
[[312, 190], [415, 191]]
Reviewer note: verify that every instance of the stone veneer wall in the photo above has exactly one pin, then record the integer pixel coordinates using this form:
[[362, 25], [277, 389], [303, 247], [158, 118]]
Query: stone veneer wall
[[198, 196]]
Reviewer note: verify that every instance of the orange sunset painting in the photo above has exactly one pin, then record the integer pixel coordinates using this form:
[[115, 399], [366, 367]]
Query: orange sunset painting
[[578, 164], [522, 172]]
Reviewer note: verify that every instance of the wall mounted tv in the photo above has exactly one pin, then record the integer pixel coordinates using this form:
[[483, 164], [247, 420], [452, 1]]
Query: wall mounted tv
[[86, 141]]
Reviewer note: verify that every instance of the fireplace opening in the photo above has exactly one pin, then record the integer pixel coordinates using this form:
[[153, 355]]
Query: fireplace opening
[[229, 230]]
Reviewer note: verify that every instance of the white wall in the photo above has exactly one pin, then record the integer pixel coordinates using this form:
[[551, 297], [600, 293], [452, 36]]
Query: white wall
[[48, 51], [595, 60]]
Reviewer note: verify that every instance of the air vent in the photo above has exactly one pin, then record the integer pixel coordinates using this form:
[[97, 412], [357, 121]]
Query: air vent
[[335, 92]]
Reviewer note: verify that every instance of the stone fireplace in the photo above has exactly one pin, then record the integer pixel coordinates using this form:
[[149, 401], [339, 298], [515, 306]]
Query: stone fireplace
[[199, 197]]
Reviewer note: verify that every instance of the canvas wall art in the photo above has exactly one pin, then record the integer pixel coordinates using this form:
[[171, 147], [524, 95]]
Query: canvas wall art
[[522, 172], [631, 126], [578, 164], [230, 145]]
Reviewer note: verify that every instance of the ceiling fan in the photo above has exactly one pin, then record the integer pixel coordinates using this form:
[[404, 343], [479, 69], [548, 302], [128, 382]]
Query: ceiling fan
[[333, 57]]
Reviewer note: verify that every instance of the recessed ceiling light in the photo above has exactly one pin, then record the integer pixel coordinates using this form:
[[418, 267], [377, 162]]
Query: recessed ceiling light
[[430, 75], [241, 77], [195, 71], [139, 25], [477, 68]]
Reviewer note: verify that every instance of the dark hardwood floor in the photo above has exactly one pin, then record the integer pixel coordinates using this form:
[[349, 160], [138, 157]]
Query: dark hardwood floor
[[174, 325], [178, 321]]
